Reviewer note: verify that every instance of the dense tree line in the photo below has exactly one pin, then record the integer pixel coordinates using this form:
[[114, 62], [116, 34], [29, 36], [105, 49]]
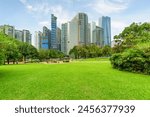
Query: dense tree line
[[90, 51], [132, 53], [45, 55], [12, 50]]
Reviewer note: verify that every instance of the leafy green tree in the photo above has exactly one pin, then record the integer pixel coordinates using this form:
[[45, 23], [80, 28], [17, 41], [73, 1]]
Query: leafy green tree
[[133, 53], [106, 51], [43, 55]]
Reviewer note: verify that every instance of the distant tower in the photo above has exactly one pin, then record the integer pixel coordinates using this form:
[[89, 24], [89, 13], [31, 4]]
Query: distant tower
[[83, 27], [53, 32], [105, 23], [45, 38]]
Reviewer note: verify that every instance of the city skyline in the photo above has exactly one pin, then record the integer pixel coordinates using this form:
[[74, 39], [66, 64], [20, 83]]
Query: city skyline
[[33, 15]]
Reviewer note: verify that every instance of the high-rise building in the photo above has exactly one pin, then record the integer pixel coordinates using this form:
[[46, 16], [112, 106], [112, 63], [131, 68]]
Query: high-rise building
[[92, 28], [75, 33], [53, 32], [8, 30], [105, 23], [81, 20], [19, 35], [98, 36], [58, 38], [64, 37], [38, 39], [24, 36], [46, 38], [27, 36]]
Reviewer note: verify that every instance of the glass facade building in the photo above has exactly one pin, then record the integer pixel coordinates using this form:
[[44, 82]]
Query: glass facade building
[[8, 30], [45, 43], [81, 20], [38, 39], [27, 36], [64, 37], [59, 39], [53, 32], [105, 23], [19, 35]]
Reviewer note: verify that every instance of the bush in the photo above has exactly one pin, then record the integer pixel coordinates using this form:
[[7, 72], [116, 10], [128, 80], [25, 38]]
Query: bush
[[133, 60]]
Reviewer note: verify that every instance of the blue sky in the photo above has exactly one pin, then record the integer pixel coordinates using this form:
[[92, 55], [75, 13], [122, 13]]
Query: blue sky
[[33, 14]]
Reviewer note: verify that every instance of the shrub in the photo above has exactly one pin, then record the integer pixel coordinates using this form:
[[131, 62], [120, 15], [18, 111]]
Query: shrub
[[133, 60]]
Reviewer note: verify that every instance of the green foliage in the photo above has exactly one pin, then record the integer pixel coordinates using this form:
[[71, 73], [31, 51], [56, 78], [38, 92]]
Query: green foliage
[[132, 35], [133, 53], [133, 60], [13, 50], [90, 51], [44, 55]]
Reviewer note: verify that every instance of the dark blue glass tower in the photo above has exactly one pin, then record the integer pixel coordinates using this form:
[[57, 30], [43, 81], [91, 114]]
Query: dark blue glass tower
[[105, 23], [53, 32]]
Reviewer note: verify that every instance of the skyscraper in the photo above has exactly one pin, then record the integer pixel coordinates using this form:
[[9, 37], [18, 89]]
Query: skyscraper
[[105, 23], [19, 35], [53, 32], [58, 38], [45, 43], [75, 33], [38, 39], [92, 28], [81, 19], [98, 36], [27, 36], [8, 30], [64, 37]]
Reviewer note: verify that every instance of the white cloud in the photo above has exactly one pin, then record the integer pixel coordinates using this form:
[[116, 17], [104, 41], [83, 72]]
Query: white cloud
[[41, 9], [118, 26], [23, 1], [109, 6]]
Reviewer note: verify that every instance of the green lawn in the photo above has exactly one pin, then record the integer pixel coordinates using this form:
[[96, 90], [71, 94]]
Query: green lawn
[[77, 80]]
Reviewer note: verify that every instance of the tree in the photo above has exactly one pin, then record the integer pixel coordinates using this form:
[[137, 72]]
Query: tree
[[90, 51], [24, 50], [43, 55], [106, 51], [132, 35], [133, 53]]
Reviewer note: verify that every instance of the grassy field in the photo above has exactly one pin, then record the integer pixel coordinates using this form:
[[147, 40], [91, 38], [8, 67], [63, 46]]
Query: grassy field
[[90, 80]]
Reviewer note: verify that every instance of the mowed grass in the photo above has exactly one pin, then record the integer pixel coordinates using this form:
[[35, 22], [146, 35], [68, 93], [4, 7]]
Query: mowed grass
[[85, 80]]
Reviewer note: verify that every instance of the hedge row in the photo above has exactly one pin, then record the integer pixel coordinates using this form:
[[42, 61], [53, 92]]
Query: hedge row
[[133, 60]]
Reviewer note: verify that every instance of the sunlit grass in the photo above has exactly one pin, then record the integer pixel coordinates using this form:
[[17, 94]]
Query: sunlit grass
[[89, 79]]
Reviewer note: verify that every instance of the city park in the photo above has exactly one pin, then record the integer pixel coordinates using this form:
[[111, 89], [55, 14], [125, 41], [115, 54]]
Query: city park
[[121, 72]]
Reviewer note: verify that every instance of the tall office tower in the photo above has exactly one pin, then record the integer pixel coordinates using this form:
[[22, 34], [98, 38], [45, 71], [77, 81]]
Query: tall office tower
[[8, 30], [45, 43], [105, 23], [98, 36], [53, 32], [81, 20], [92, 28], [69, 36], [58, 39], [19, 35], [38, 39], [89, 34], [27, 36], [64, 37]]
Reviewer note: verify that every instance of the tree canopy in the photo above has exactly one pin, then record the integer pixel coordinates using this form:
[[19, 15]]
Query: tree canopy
[[132, 53]]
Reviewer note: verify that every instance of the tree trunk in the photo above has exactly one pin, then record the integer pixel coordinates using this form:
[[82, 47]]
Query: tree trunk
[[24, 59], [8, 61]]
